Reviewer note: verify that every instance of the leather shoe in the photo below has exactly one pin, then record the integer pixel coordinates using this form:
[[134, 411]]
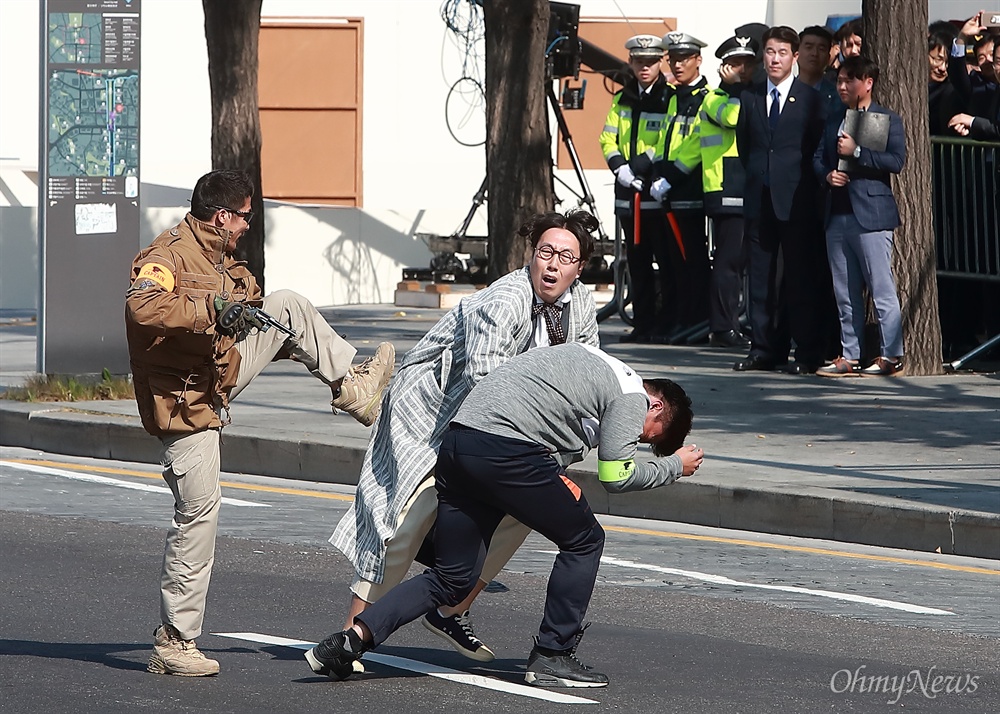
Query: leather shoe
[[755, 363], [730, 338], [801, 368]]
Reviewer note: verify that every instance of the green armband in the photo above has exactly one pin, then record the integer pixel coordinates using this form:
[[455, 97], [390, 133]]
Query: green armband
[[614, 471]]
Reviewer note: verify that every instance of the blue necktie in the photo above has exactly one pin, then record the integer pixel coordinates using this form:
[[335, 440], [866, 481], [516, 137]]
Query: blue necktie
[[772, 116]]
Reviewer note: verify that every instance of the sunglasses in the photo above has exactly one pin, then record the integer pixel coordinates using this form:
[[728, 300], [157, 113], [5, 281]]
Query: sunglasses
[[245, 215]]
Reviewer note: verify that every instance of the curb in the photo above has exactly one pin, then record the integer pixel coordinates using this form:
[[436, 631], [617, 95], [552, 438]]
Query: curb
[[121, 437]]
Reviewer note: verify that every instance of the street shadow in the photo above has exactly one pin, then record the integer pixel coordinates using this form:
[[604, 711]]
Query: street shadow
[[97, 652], [507, 670]]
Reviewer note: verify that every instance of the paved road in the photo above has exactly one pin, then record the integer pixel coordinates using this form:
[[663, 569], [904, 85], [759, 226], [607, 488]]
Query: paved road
[[685, 618], [907, 462]]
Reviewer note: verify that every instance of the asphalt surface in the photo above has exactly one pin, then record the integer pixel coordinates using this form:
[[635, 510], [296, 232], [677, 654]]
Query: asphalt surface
[[684, 618], [903, 462]]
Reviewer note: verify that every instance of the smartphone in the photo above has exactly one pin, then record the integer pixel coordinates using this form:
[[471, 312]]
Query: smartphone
[[990, 19]]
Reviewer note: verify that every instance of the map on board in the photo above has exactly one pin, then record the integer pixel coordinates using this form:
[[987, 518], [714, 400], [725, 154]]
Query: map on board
[[75, 38], [93, 122]]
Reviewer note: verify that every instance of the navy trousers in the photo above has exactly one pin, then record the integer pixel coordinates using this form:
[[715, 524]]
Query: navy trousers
[[729, 265], [480, 477], [653, 245], [789, 278]]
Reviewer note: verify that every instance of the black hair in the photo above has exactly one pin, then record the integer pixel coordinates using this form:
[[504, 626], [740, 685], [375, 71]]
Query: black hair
[[817, 31], [860, 68], [939, 39], [676, 418], [781, 33], [945, 29], [983, 41], [229, 189], [854, 27], [580, 223]]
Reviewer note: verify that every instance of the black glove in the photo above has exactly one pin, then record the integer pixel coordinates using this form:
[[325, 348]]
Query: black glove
[[230, 317]]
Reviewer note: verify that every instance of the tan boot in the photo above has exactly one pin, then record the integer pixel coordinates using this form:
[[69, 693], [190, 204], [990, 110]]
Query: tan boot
[[173, 655], [361, 390]]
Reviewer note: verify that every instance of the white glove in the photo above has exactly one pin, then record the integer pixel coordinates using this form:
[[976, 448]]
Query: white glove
[[659, 189], [625, 176]]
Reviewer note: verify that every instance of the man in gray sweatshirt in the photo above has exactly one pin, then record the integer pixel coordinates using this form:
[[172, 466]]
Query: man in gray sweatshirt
[[506, 452]]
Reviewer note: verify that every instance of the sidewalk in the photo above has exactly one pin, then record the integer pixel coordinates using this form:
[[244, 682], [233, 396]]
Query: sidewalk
[[903, 462]]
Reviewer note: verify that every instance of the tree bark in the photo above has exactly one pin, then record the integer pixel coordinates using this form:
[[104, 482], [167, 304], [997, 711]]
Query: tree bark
[[232, 28], [894, 38], [518, 142]]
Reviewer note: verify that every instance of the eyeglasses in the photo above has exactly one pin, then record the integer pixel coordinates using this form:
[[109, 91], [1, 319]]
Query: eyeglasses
[[566, 257], [245, 215]]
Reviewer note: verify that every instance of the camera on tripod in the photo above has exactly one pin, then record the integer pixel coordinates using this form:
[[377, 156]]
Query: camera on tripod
[[562, 55]]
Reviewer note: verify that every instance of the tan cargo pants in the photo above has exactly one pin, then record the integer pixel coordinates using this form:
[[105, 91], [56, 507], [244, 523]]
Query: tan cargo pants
[[191, 462]]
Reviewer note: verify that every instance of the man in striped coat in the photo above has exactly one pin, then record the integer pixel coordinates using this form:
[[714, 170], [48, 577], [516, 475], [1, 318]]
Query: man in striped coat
[[396, 504]]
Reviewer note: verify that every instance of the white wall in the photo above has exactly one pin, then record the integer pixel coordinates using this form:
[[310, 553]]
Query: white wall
[[802, 13], [417, 178]]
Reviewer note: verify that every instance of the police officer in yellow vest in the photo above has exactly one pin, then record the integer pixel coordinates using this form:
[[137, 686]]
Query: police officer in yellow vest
[[681, 191], [633, 143], [722, 181]]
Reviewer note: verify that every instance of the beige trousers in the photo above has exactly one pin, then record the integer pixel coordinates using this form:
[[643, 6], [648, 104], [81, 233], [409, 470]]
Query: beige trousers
[[413, 525], [191, 462]]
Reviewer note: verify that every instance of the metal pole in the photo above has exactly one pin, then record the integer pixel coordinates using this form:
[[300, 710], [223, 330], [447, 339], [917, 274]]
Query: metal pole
[[43, 171]]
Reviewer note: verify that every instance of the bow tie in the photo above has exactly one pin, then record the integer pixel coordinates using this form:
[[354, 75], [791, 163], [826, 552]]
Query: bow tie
[[553, 320]]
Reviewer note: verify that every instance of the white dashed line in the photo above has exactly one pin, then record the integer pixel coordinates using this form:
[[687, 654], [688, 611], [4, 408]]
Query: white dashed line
[[722, 580], [432, 670], [104, 480]]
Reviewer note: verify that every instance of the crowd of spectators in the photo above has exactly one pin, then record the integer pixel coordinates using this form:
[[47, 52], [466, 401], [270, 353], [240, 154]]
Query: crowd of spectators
[[963, 101]]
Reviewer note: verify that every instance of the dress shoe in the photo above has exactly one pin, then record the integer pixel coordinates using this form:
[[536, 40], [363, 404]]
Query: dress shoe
[[755, 363], [801, 368], [840, 367], [730, 338], [884, 367]]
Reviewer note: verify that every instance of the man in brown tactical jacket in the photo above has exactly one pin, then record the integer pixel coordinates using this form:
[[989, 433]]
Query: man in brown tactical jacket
[[187, 366]]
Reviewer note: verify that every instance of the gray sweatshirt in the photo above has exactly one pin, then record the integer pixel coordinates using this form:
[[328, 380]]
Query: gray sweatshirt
[[569, 399]]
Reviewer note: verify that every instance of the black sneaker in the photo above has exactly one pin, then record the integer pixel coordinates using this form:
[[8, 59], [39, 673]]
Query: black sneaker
[[457, 631], [334, 657], [551, 668]]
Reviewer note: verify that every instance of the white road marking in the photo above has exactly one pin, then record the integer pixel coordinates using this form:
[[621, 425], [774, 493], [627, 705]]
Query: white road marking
[[721, 580], [120, 484], [433, 670]]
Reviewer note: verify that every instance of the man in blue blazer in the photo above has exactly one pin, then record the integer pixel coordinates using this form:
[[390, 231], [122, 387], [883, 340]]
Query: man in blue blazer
[[861, 214], [780, 125]]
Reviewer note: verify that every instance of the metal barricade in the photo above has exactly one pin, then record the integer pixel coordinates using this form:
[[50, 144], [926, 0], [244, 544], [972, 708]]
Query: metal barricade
[[966, 208]]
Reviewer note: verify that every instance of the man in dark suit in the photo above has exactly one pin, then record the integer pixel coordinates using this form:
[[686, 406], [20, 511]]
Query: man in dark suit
[[861, 214], [779, 128]]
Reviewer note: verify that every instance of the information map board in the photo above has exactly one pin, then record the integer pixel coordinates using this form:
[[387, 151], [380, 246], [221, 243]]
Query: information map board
[[88, 214]]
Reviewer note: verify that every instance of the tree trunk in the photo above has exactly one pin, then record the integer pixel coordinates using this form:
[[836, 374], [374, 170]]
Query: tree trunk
[[232, 28], [894, 38], [518, 143]]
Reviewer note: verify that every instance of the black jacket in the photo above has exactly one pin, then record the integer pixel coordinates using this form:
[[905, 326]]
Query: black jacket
[[784, 157]]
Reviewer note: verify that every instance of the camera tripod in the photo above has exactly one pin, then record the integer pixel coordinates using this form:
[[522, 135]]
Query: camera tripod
[[457, 242], [619, 265]]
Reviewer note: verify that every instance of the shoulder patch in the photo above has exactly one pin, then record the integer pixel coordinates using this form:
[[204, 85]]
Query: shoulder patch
[[159, 274]]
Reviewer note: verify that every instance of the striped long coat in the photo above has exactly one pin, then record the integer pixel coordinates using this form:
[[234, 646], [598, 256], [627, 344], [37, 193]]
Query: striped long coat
[[482, 332]]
